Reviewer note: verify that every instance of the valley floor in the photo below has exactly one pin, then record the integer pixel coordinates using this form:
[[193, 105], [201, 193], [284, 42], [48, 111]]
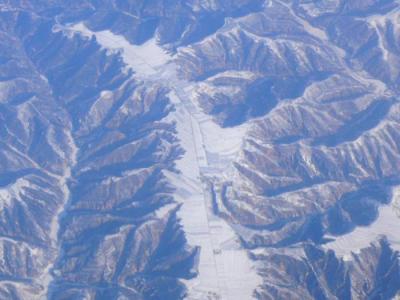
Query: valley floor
[[224, 269]]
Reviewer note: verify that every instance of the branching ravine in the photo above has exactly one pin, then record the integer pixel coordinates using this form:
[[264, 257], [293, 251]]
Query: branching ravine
[[63, 180]]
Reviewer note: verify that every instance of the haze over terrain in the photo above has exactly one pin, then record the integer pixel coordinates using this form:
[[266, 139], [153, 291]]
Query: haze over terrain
[[199, 149]]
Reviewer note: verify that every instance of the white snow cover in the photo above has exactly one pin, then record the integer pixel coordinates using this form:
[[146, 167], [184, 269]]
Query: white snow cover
[[225, 270], [144, 60], [72, 149], [361, 237], [13, 192]]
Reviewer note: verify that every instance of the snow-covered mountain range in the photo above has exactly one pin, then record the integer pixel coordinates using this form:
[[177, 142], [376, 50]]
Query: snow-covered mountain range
[[199, 149]]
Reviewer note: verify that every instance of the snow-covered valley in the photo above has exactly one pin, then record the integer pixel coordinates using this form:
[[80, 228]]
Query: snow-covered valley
[[225, 270], [205, 149]]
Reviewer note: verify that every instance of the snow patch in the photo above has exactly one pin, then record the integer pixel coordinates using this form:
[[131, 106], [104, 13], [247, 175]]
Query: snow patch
[[144, 60], [13, 192], [362, 237]]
